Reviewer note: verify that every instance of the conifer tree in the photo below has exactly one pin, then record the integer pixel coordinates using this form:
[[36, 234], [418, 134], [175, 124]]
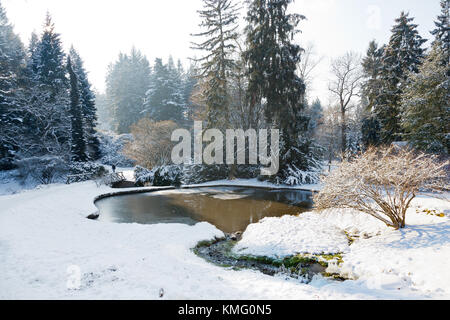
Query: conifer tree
[[442, 31], [164, 99], [426, 103], [372, 71], [12, 58], [219, 19], [88, 107], [78, 144], [402, 56], [48, 125], [127, 82], [272, 60]]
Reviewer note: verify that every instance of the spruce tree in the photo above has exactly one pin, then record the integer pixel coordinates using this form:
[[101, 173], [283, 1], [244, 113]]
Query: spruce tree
[[12, 58], [78, 144], [371, 87], [88, 107], [426, 103], [403, 55], [127, 82], [219, 19], [164, 99], [442, 31], [48, 106], [272, 60]]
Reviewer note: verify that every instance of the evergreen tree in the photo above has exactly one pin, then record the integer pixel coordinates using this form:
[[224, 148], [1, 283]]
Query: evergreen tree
[[127, 82], [272, 61], [88, 107], [315, 112], [442, 31], [78, 144], [12, 58], [164, 99], [426, 103], [47, 113], [403, 55], [370, 131], [219, 19], [372, 71]]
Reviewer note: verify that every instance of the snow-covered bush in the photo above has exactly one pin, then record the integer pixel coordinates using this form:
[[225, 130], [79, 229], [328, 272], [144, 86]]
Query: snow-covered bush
[[194, 174], [89, 170], [111, 149], [298, 177], [159, 177], [382, 183], [44, 170]]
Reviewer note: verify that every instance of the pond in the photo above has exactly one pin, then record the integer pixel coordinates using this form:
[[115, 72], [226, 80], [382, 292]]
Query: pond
[[230, 209]]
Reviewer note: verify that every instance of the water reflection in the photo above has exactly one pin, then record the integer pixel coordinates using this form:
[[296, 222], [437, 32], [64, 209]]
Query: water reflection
[[231, 209]]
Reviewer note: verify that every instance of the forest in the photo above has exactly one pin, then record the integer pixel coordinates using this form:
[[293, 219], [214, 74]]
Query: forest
[[258, 78]]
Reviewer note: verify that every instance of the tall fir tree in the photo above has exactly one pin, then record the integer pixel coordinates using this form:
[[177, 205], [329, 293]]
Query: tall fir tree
[[48, 95], [127, 82], [272, 60], [426, 102], [403, 55], [442, 31], [78, 144], [371, 64], [12, 59], [219, 19], [88, 107], [164, 99]]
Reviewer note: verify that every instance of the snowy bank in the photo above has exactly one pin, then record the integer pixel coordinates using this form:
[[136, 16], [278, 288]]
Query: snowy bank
[[49, 250], [416, 257]]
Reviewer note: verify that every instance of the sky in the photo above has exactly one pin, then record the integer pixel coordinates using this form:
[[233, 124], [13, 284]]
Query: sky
[[101, 29]]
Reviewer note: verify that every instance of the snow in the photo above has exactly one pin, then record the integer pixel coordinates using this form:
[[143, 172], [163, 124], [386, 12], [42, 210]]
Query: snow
[[281, 237], [415, 258], [46, 243]]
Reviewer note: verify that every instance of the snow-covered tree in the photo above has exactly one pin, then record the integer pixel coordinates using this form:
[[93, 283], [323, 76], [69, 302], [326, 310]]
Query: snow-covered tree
[[426, 104], [165, 99], [272, 60], [12, 58], [219, 21], [442, 31], [127, 82], [345, 87], [88, 107], [78, 143], [382, 183], [403, 55], [47, 119]]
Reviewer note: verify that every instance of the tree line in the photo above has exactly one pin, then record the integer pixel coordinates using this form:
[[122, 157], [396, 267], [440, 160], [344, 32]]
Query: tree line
[[47, 105], [406, 88]]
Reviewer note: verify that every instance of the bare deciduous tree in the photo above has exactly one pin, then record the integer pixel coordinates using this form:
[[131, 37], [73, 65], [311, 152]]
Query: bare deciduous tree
[[152, 145], [345, 86], [308, 63], [382, 182]]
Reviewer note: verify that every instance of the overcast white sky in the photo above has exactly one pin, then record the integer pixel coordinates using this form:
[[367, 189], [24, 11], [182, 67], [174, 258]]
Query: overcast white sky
[[100, 29]]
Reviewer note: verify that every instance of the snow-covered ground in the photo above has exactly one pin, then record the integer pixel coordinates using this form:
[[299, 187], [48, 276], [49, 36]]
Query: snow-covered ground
[[49, 250]]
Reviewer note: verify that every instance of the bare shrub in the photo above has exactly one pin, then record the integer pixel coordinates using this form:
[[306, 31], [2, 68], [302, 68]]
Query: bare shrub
[[152, 145], [382, 182]]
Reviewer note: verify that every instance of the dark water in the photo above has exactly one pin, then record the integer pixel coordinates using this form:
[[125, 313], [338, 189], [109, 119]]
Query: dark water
[[230, 209]]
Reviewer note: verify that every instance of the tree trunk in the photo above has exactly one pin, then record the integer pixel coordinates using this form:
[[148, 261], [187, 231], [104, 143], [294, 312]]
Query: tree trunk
[[343, 134]]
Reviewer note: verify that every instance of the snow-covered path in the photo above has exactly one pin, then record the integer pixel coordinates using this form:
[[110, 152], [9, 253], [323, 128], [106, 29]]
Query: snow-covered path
[[46, 241]]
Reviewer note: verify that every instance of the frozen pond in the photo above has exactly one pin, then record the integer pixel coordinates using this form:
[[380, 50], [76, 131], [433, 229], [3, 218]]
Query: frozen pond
[[230, 209]]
